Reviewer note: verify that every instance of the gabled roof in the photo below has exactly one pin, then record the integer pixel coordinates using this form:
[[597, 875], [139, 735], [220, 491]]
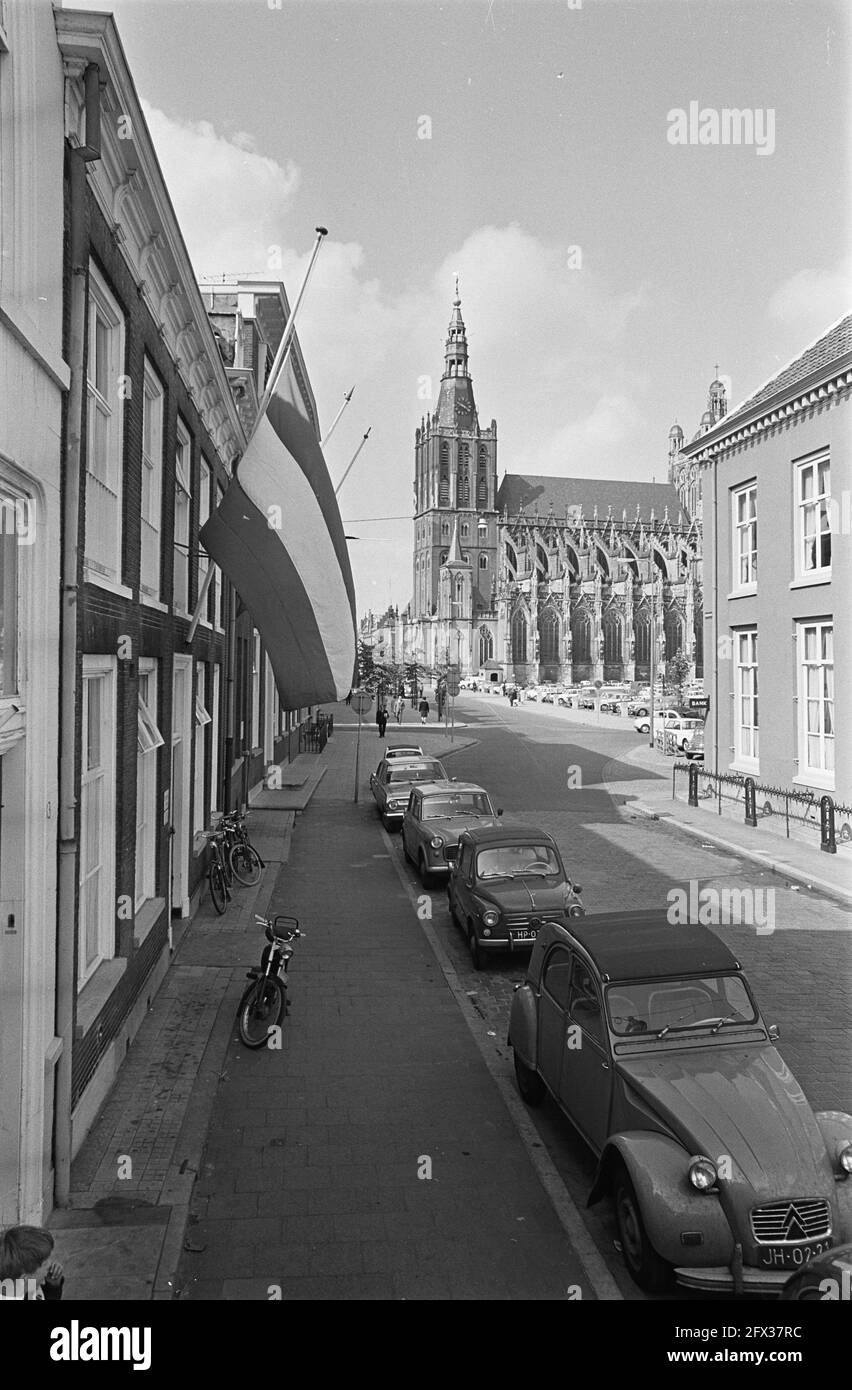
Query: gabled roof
[[538, 493], [805, 370]]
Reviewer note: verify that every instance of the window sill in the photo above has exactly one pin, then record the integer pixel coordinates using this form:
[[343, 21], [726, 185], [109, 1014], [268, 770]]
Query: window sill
[[748, 591], [746, 766], [149, 601], [100, 581], [147, 917], [812, 581], [820, 781], [95, 993]]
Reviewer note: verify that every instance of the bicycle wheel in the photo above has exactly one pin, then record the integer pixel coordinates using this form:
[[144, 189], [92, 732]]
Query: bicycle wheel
[[226, 864], [245, 863], [261, 1007], [218, 887]]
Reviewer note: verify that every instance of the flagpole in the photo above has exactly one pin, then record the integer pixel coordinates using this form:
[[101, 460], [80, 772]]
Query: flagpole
[[287, 336], [275, 372], [346, 399], [354, 456]]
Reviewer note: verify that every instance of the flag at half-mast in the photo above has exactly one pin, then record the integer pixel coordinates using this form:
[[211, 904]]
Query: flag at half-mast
[[278, 537]]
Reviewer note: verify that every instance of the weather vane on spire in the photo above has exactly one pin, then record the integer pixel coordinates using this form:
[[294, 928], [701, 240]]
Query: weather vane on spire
[[456, 278]]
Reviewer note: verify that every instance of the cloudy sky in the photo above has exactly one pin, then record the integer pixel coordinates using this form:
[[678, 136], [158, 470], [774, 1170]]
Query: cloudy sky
[[604, 270]]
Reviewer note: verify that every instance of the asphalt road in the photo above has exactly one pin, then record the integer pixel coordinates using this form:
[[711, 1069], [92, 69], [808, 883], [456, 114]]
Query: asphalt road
[[562, 776]]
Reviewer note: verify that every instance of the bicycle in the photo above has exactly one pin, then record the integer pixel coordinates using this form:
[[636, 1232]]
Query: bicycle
[[244, 862], [264, 1003], [217, 878]]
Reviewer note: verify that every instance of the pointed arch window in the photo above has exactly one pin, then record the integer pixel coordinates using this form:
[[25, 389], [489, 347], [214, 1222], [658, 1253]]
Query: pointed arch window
[[673, 631], [581, 636], [548, 627], [612, 635], [642, 637], [486, 645], [519, 636]]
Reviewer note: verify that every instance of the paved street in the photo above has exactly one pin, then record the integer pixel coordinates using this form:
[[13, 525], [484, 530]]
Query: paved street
[[394, 1055]]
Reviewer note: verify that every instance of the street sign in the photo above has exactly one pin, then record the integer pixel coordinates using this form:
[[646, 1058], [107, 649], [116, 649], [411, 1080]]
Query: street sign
[[699, 702], [452, 685], [362, 701]]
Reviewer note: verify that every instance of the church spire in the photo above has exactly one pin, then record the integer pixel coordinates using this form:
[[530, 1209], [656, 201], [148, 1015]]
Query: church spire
[[456, 406], [455, 354]]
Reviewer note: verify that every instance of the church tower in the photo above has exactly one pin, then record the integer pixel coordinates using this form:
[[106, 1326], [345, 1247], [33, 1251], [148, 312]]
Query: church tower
[[455, 488]]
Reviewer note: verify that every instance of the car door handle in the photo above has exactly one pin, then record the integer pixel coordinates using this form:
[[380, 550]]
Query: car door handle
[[604, 1066]]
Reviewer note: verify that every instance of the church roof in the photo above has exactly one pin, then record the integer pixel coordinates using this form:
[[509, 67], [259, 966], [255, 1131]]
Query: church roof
[[536, 493]]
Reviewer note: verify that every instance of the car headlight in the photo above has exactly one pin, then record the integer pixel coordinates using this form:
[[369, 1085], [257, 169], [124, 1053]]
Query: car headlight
[[844, 1157], [437, 842], [576, 910], [702, 1174], [491, 917]]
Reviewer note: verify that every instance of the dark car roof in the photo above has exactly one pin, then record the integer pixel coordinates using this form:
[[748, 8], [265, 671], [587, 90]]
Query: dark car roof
[[507, 835], [635, 945]]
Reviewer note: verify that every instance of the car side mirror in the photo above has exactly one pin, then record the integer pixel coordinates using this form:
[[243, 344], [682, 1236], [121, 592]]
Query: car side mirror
[[578, 887], [451, 853], [774, 1032]]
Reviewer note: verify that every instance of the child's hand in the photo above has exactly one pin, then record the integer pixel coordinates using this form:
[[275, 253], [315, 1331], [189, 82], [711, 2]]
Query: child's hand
[[54, 1273]]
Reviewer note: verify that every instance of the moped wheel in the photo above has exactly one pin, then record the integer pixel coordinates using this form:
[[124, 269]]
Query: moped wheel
[[245, 863], [261, 1008], [218, 887]]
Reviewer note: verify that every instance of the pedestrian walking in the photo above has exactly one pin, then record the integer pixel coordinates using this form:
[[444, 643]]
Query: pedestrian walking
[[381, 720], [26, 1269], [424, 710], [349, 698], [398, 707]]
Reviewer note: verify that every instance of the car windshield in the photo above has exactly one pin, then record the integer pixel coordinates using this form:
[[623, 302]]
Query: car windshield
[[459, 804], [416, 772], [516, 861], [672, 1005]]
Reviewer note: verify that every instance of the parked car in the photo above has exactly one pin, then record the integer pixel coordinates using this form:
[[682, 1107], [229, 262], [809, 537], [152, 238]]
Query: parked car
[[505, 881], [825, 1278], [435, 817], [682, 730], [694, 746], [392, 781], [403, 750], [649, 1039], [661, 717], [566, 698]]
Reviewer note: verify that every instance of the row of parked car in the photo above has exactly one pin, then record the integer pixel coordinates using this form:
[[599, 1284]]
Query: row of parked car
[[650, 1041], [687, 731]]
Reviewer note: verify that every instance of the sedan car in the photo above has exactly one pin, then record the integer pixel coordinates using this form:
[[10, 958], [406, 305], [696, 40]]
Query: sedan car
[[648, 1038], [392, 781], [504, 883], [682, 730], [694, 746], [661, 717], [436, 815]]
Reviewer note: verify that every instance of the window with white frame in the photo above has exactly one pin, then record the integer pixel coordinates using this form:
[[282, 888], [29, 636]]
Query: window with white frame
[[203, 514], [97, 817], [219, 579], [202, 718], [745, 536], [813, 516], [152, 481], [183, 494], [12, 510], [747, 724], [816, 699], [215, 767], [148, 740], [104, 425]]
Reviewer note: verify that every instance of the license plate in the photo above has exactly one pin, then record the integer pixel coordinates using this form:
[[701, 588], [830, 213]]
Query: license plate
[[523, 934], [791, 1256]]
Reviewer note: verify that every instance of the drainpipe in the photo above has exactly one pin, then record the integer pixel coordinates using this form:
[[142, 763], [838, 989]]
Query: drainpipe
[[715, 474], [230, 712], [73, 463]]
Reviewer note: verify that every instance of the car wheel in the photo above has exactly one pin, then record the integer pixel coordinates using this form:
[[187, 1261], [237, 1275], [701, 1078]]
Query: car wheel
[[476, 952], [530, 1084], [425, 871], [646, 1267]]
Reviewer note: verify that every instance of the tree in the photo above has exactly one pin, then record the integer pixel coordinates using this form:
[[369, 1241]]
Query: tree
[[676, 679], [366, 666]]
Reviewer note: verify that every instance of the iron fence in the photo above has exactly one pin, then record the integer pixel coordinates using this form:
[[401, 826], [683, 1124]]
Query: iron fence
[[760, 802]]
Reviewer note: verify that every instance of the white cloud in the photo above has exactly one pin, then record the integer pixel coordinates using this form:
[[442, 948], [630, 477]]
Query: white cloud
[[813, 299]]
